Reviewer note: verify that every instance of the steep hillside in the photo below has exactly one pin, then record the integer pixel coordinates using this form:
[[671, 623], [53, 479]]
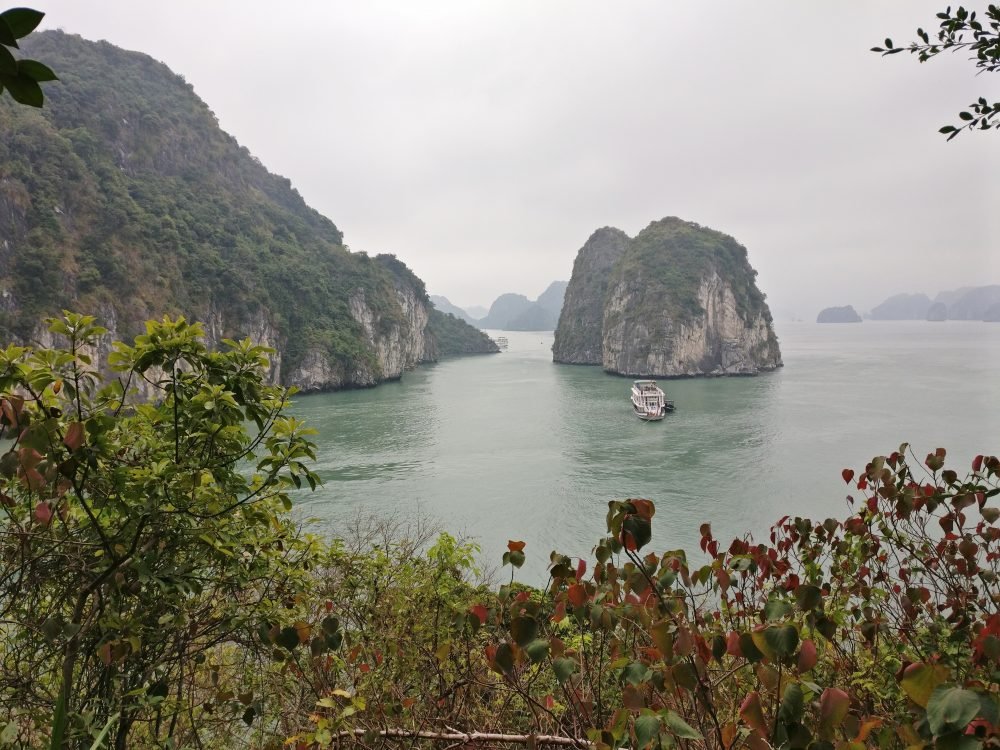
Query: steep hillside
[[123, 198], [903, 307], [678, 300], [578, 335]]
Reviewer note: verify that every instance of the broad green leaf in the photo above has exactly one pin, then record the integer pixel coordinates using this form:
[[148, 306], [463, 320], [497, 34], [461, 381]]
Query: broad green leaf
[[537, 650], [920, 680], [36, 71], [679, 727], [505, 658], [288, 638], [647, 729], [21, 21], [24, 90], [685, 675], [776, 610], [808, 597], [950, 709], [8, 65], [792, 704], [563, 668], [748, 647], [635, 673], [639, 530], [783, 640], [523, 630]]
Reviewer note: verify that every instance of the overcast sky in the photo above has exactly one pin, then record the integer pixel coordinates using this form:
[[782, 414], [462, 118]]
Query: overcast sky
[[483, 141]]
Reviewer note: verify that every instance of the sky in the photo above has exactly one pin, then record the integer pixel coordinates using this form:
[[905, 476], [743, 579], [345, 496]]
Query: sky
[[483, 141]]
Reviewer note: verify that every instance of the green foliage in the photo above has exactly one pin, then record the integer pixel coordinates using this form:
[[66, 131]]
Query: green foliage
[[139, 536], [878, 631], [962, 31], [667, 262], [125, 200], [455, 337], [21, 78]]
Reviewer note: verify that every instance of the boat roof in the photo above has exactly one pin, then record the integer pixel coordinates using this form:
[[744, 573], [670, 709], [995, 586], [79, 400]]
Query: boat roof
[[643, 382]]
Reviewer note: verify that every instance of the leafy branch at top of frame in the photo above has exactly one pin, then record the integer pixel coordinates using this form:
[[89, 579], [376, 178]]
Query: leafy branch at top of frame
[[962, 30]]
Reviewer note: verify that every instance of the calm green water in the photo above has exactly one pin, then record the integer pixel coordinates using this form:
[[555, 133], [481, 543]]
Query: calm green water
[[512, 446]]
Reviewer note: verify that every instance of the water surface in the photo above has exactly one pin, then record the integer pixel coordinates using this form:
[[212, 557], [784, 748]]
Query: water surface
[[512, 446]]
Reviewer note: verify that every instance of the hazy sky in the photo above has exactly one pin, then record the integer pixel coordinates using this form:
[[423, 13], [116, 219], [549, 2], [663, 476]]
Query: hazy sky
[[482, 142]]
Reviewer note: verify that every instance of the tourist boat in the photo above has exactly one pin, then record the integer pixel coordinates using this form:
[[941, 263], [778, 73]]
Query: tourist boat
[[502, 343], [649, 401]]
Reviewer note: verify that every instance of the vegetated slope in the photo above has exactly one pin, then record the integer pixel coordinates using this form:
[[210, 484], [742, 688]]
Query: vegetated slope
[[680, 299], [453, 337], [578, 337], [124, 199]]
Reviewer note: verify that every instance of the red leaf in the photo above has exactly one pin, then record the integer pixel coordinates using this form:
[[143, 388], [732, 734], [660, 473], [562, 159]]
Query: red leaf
[[481, 612], [33, 479], [848, 475], [577, 594], [977, 463], [752, 713], [43, 513], [733, 644], [515, 546], [833, 705], [581, 568], [74, 436], [807, 656], [643, 508]]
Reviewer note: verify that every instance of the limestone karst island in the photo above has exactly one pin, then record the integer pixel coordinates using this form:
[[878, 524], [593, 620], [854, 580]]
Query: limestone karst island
[[676, 300]]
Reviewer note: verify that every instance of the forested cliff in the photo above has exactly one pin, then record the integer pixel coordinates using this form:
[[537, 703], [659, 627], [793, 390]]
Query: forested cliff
[[124, 199], [678, 299]]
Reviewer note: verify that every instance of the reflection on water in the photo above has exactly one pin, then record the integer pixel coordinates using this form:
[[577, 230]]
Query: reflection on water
[[511, 446]]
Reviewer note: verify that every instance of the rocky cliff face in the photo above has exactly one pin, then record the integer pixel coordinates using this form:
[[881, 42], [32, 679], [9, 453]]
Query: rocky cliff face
[[578, 337], [679, 300], [123, 199]]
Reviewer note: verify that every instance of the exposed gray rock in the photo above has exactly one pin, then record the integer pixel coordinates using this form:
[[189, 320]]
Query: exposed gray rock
[[578, 338], [677, 300]]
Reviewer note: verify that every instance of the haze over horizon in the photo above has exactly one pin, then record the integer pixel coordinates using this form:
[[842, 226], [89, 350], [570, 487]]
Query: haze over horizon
[[484, 143]]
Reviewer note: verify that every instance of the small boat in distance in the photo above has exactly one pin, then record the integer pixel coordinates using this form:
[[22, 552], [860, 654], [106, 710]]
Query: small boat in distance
[[502, 343], [649, 401]]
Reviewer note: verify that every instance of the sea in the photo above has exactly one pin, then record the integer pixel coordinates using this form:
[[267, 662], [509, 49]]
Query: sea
[[511, 446]]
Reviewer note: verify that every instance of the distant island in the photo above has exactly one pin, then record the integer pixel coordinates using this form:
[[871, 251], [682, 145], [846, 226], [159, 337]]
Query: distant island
[[513, 312], [846, 314], [679, 299], [966, 303]]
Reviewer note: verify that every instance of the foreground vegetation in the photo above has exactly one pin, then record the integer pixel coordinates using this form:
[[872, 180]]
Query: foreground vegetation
[[155, 592]]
